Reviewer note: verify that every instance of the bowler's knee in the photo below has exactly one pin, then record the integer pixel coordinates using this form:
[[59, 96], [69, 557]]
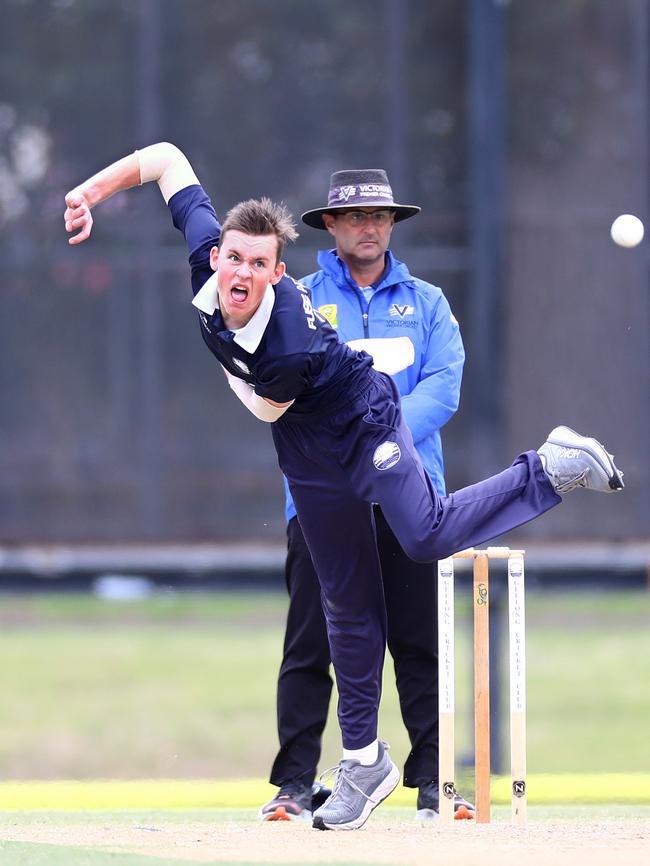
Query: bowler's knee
[[420, 549]]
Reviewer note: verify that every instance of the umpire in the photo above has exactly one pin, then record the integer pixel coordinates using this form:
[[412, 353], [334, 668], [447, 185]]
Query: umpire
[[366, 294]]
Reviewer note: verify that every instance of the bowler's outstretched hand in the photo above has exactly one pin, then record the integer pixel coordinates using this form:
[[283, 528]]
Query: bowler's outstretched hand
[[77, 216]]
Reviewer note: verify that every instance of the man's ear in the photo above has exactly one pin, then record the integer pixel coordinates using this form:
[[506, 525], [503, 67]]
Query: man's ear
[[278, 273], [214, 256], [329, 222]]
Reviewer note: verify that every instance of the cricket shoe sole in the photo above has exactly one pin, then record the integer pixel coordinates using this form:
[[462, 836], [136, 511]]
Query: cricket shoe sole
[[280, 813]]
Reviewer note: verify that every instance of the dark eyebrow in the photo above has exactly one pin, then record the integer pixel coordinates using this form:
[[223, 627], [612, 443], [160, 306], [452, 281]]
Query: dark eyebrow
[[237, 252]]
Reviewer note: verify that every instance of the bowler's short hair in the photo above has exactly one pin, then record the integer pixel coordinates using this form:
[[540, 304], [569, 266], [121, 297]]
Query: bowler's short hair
[[262, 217]]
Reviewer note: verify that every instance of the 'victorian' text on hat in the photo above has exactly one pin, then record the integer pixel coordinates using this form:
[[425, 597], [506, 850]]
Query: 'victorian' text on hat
[[354, 188]]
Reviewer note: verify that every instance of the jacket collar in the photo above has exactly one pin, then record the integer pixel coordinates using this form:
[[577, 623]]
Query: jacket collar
[[250, 336], [394, 272]]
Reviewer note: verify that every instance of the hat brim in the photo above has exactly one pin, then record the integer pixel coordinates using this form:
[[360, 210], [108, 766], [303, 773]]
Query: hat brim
[[314, 218]]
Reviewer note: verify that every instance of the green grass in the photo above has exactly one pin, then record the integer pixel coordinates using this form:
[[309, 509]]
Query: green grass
[[226, 608], [183, 686], [32, 854], [183, 794], [155, 819]]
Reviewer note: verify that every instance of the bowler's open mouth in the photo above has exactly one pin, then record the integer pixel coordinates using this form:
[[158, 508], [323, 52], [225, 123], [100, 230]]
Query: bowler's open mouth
[[238, 293]]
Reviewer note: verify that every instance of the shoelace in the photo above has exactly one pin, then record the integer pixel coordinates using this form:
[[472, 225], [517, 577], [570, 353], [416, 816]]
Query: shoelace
[[339, 773]]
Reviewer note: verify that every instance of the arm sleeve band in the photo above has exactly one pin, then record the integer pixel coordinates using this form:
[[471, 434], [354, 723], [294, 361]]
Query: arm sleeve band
[[389, 355], [168, 166], [253, 402]]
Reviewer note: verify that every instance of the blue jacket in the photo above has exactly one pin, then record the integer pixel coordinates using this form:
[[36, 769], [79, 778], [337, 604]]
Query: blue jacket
[[402, 305]]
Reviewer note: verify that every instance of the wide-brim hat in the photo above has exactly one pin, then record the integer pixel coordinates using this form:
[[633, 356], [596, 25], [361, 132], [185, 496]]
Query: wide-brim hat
[[364, 187]]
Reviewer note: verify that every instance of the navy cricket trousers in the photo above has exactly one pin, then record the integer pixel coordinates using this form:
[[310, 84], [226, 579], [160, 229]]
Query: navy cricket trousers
[[304, 681], [338, 463]]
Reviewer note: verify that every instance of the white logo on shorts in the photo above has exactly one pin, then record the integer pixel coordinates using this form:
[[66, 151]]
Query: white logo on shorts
[[386, 455]]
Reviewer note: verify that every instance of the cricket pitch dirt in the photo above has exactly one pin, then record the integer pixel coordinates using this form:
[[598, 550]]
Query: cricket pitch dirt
[[383, 841]]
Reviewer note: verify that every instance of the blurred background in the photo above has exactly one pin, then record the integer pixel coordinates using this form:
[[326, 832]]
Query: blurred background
[[521, 128]]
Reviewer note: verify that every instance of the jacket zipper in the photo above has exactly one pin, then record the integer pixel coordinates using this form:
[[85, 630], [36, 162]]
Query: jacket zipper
[[364, 313]]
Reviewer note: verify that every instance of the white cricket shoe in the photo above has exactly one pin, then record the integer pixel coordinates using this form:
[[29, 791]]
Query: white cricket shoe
[[571, 460]]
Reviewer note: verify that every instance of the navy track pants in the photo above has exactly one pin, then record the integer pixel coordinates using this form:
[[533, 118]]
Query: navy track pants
[[338, 464], [304, 681]]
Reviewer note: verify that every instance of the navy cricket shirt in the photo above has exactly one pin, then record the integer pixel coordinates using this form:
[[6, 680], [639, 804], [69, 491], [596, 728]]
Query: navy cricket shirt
[[299, 356]]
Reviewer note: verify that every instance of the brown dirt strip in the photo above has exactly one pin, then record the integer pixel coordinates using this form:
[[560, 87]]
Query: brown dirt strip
[[382, 841]]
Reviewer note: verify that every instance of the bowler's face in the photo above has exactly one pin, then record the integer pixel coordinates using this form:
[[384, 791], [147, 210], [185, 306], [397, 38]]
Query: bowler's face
[[246, 265]]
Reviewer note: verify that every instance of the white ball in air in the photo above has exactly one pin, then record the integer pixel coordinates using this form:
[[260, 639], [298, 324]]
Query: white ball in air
[[627, 230]]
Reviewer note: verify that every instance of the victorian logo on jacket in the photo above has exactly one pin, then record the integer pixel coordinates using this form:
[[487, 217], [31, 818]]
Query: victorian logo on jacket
[[386, 455], [401, 310], [331, 313]]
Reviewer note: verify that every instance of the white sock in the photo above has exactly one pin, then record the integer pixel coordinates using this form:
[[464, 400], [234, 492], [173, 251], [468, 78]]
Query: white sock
[[366, 756]]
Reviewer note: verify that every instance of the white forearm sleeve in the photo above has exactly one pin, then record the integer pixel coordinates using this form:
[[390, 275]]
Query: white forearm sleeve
[[389, 354], [253, 402], [168, 166]]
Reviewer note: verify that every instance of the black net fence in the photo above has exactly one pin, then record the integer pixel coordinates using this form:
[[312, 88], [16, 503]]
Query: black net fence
[[521, 135]]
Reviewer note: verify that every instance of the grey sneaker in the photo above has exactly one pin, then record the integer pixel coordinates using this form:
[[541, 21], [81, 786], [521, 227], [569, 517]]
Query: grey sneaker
[[428, 805], [571, 460], [357, 791]]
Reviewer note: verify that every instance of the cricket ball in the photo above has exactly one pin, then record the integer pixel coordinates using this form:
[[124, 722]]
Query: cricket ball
[[627, 230]]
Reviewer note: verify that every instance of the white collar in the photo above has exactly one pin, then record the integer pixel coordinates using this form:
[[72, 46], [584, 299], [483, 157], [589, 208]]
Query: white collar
[[250, 336], [207, 297]]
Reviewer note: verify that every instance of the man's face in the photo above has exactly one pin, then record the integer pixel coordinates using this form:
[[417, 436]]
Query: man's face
[[246, 264], [362, 234]]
